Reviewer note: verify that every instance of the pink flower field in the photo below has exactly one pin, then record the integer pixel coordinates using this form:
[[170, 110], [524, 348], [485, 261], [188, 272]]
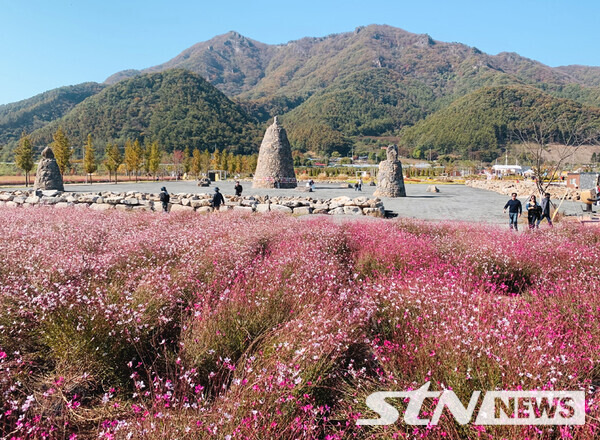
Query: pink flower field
[[235, 326]]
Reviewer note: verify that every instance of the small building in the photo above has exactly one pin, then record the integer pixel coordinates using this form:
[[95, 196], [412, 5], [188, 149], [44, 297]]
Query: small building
[[217, 175], [508, 170], [582, 180]]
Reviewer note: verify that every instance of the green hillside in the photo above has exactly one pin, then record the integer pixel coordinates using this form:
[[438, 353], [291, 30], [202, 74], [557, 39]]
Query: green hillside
[[330, 91], [177, 108], [34, 113], [486, 120]]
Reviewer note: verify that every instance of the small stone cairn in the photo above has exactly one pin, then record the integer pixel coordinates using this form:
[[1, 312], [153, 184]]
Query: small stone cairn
[[48, 175], [275, 168], [390, 182]]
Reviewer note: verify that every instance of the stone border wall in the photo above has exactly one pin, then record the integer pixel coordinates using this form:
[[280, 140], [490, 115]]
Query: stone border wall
[[522, 188], [138, 201]]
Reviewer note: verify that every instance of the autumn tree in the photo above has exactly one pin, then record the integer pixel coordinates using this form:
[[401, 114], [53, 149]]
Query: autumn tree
[[206, 161], [196, 162], [154, 158], [177, 161], [187, 160], [139, 157], [62, 150], [230, 163], [134, 157], [215, 161], [89, 160], [113, 159], [24, 156], [564, 136]]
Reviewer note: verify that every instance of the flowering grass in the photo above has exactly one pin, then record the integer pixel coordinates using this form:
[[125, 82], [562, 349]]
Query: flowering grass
[[120, 325]]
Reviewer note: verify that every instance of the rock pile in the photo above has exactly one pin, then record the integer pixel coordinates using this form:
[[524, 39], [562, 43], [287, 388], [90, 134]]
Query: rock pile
[[522, 188], [275, 167], [390, 182], [48, 175], [136, 201]]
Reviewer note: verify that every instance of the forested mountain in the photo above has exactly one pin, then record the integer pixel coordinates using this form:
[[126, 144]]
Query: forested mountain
[[177, 108], [246, 68], [375, 81], [33, 113], [483, 121]]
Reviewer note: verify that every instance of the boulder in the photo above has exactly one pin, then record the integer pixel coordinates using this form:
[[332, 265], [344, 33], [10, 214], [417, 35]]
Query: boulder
[[352, 210], [48, 175], [32, 200], [243, 209], [337, 211], [281, 208], [374, 212], [303, 210], [100, 206], [181, 208]]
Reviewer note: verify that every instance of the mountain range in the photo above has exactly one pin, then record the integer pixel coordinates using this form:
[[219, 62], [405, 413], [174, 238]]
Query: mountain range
[[331, 91]]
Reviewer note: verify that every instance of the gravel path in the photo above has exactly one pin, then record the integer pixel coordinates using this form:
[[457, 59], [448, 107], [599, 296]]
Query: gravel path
[[453, 202]]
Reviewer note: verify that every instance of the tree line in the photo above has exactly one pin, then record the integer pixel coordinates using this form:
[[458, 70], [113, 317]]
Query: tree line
[[135, 157]]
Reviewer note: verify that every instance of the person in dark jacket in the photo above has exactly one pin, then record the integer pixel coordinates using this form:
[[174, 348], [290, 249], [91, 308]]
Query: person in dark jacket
[[238, 188], [515, 209], [164, 199], [545, 210], [534, 211], [217, 199]]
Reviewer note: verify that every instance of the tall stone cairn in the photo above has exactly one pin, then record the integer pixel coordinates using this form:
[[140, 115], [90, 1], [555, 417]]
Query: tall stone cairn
[[48, 174], [275, 168], [390, 182]]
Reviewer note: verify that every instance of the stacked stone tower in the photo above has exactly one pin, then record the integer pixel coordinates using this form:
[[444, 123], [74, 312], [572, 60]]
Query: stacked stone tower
[[48, 174], [275, 168], [390, 182]]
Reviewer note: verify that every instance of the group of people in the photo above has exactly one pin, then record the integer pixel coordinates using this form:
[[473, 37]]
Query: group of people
[[536, 212], [216, 201]]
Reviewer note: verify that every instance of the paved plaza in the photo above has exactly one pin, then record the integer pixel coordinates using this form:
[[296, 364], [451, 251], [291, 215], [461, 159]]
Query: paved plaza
[[453, 202]]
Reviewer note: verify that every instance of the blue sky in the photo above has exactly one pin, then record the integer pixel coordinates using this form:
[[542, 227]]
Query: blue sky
[[46, 44]]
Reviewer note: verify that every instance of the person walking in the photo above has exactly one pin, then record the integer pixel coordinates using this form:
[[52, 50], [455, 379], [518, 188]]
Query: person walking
[[534, 212], [515, 209], [545, 205], [238, 188], [217, 199], [360, 182], [164, 199]]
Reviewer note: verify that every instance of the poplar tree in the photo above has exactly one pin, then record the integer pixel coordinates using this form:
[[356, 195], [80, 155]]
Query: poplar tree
[[24, 156], [187, 160], [196, 162], [154, 158], [89, 160], [138, 157], [114, 159], [130, 159], [62, 150]]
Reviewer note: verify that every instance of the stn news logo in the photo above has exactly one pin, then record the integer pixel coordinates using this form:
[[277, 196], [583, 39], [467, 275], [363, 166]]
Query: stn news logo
[[497, 408]]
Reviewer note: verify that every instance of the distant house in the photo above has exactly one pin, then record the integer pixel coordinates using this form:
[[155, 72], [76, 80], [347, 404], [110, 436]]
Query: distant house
[[582, 180], [508, 170]]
